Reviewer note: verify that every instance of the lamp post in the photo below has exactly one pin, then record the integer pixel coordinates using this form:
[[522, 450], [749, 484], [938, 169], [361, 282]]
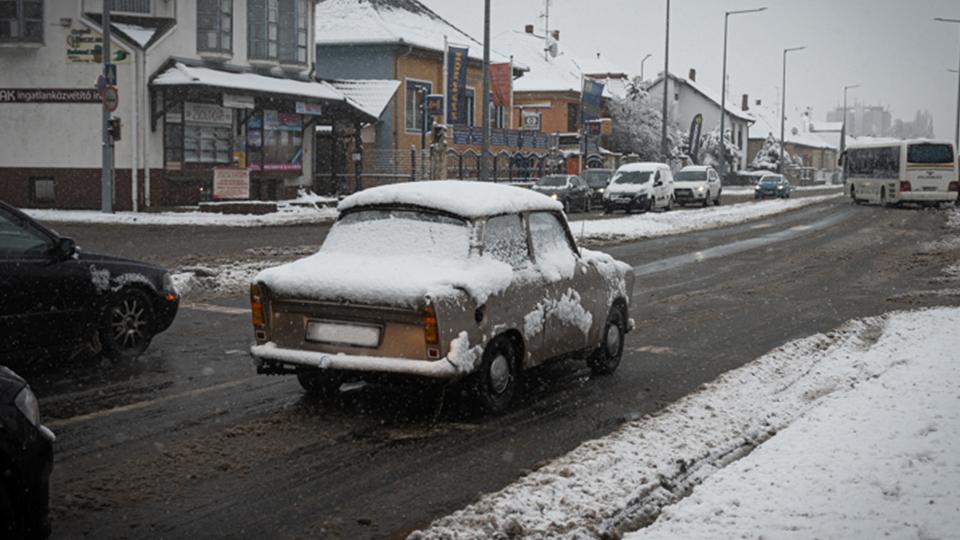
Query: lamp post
[[666, 86], [843, 130], [723, 86], [783, 106], [645, 58], [485, 142], [956, 140]]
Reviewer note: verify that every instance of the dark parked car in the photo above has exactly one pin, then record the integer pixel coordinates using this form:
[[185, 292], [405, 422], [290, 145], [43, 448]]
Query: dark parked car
[[54, 297], [773, 185], [570, 191], [26, 459], [598, 180]]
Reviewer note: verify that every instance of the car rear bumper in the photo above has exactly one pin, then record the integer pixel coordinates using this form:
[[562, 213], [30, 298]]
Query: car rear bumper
[[270, 353]]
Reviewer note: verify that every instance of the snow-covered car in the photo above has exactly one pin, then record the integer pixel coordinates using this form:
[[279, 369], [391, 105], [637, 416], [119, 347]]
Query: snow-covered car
[[697, 184], [441, 280], [640, 186]]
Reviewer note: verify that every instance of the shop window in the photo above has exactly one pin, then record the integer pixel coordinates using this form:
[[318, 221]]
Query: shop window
[[294, 17], [471, 101], [262, 20], [416, 95], [275, 142], [42, 190], [215, 26], [21, 21], [198, 134]]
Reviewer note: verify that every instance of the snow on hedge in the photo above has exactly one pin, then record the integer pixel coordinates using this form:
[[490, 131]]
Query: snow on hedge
[[855, 433]]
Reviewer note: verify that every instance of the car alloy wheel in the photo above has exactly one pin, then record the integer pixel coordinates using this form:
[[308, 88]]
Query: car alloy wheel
[[129, 325], [495, 381], [606, 358]]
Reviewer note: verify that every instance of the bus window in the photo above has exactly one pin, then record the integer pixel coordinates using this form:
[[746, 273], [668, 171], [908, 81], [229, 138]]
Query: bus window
[[873, 162], [930, 153]]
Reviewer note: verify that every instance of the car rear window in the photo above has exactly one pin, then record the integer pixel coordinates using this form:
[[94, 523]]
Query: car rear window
[[930, 153], [399, 232]]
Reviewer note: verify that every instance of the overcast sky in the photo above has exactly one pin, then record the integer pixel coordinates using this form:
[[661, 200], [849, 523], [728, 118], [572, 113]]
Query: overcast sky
[[891, 47]]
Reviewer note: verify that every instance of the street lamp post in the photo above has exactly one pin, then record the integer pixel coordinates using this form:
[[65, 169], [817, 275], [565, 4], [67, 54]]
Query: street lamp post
[[645, 58], [783, 106], [485, 141], [723, 86], [666, 86], [843, 130], [956, 140]]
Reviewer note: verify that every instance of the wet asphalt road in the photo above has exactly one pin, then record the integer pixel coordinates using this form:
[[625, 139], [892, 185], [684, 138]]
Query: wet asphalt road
[[188, 442]]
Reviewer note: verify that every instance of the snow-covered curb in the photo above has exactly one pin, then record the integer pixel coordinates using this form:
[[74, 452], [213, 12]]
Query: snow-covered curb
[[668, 223], [622, 482]]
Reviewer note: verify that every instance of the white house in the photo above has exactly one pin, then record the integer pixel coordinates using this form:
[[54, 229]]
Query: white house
[[688, 98], [202, 84]]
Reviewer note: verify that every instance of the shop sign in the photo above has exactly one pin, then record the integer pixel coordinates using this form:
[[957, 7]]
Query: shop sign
[[531, 121], [234, 101], [231, 183], [49, 95], [310, 109], [205, 113]]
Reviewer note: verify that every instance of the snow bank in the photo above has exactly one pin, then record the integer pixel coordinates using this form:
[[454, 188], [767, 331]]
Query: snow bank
[[749, 190], [287, 215], [667, 223], [877, 396]]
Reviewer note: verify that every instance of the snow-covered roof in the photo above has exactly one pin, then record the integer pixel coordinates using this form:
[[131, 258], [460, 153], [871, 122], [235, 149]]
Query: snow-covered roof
[[462, 198], [703, 91], [141, 35], [372, 96], [401, 22], [183, 75]]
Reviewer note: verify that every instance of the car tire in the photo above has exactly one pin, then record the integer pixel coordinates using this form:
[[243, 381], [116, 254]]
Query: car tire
[[587, 205], [716, 202], [494, 383], [883, 198], [323, 384], [606, 358], [128, 325]]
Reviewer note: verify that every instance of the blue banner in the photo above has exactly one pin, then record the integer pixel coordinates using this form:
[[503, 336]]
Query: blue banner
[[592, 97], [457, 61], [694, 148]]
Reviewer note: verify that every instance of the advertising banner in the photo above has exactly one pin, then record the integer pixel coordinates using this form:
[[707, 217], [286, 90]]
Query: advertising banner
[[275, 142], [591, 97], [49, 95], [457, 60], [501, 84], [695, 126]]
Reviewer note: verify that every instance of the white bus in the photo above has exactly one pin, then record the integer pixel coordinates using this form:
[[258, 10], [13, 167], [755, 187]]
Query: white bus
[[892, 173]]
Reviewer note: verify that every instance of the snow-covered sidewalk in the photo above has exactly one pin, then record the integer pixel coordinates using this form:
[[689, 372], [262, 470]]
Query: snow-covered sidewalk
[[853, 434], [666, 223]]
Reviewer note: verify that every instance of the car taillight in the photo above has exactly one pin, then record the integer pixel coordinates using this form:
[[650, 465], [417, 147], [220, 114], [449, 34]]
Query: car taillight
[[256, 307], [954, 186], [431, 332], [905, 186]]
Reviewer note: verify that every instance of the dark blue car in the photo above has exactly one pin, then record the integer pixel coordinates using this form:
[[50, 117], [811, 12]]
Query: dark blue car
[[773, 186]]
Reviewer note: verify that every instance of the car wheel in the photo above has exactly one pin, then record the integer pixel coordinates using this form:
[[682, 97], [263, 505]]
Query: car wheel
[[716, 202], [883, 198], [669, 204], [128, 325], [320, 383], [706, 202], [606, 358], [495, 381], [566, 207], [587, 205], [607, 210]]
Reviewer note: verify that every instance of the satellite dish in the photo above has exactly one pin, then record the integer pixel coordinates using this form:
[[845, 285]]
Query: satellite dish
[[552, 48]]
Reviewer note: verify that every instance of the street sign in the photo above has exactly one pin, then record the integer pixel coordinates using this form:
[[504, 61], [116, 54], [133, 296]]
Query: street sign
[[110, 97], [111, 74]]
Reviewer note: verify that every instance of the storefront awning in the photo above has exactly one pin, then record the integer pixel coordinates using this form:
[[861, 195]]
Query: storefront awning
[[371, 95], [180, 75]]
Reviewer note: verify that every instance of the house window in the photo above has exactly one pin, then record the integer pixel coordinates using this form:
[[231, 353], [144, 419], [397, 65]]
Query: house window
[[215, 26], [471, 100], [42, 190], [293, 41], [573, 117], [499, 116], [132, 6], [21, 20], [416, 95], [262, 20]]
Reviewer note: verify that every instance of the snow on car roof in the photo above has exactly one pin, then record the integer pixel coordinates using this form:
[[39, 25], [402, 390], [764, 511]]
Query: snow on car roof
[[696, 168], [463, 198], [644, 166]]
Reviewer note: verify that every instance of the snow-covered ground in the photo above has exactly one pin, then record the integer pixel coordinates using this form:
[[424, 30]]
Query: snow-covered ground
[[749, 190], [667, 223], [849, 434]]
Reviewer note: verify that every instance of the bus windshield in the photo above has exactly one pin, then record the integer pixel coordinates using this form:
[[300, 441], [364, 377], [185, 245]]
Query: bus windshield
[[930, 153]]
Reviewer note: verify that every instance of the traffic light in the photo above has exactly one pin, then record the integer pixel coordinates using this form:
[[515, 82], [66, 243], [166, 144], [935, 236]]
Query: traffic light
[[114, 129]]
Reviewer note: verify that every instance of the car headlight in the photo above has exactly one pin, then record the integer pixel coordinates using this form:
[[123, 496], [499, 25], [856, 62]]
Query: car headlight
[[780, 187], [553, 196], [756, 188], [701, 189], [27, 402], [600, 190]]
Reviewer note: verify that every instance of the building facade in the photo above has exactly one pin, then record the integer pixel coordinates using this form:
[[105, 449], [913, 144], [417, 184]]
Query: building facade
[[202, 85]]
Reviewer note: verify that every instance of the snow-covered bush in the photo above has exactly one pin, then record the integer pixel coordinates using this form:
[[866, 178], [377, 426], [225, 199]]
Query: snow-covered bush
[[768, 157]]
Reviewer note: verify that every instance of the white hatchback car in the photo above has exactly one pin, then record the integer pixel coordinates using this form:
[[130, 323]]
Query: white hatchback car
[[640, 186], [697, 184]]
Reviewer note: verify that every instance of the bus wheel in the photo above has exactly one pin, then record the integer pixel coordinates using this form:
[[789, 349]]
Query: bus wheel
[[883, 198], [853, 195]]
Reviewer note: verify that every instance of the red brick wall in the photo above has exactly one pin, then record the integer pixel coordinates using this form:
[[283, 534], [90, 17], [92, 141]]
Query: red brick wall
[[74, 189]]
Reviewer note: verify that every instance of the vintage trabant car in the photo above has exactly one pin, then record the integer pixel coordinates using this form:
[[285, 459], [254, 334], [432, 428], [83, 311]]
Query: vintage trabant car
[[441, 280]]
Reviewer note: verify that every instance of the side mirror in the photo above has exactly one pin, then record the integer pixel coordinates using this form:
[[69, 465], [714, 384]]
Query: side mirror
[[65, 248]]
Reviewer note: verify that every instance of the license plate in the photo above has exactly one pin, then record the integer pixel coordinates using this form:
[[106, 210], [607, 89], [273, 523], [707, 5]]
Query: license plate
[[357, 335], [929, 188]]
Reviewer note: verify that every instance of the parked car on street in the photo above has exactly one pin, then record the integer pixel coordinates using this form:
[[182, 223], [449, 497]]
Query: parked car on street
[[55, 297], [570, 191], [445, 281], [697, 184], [640, 186], [26, 459], [773, 185], [598, 180]]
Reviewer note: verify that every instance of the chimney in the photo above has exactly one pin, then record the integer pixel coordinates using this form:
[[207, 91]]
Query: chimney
[[693, 75], [759, 103], [528, 28], [556, 35], [745, 105]]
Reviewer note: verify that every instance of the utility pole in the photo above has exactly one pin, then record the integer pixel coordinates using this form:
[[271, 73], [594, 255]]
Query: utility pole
[[106, 168], [956, 140], [783, 107], [485, 146], [666, 87], [843, 130], [723, 92]]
